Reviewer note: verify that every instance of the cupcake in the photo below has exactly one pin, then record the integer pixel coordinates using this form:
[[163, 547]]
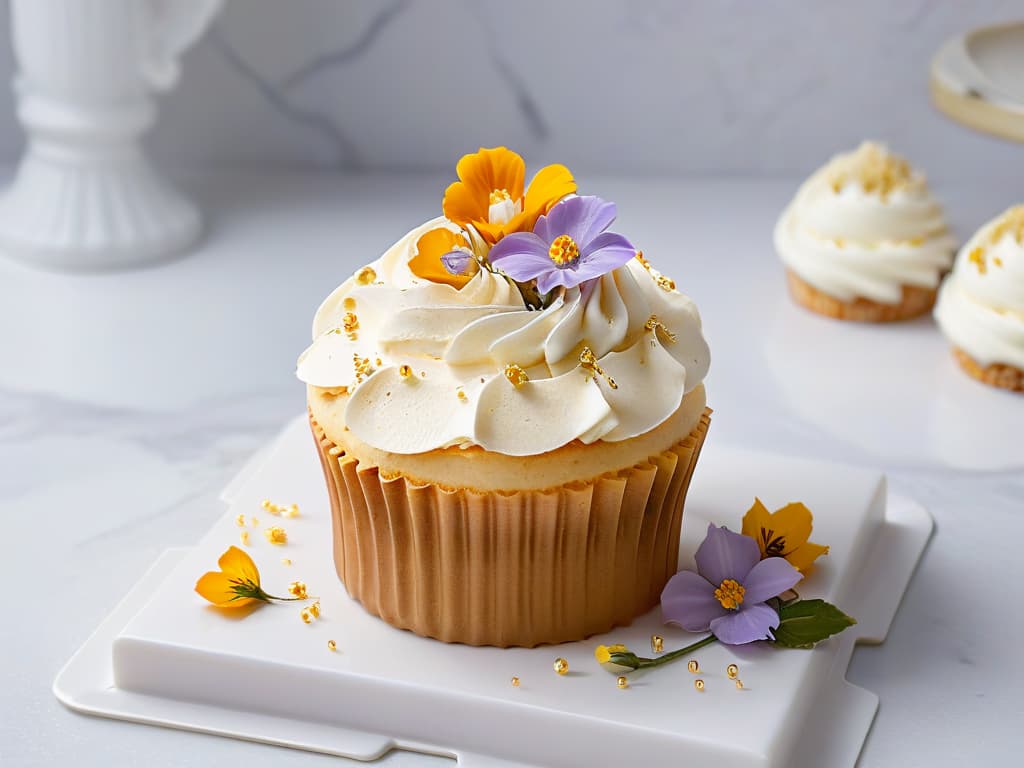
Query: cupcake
[[981, 304], [508, 406], [864, 240]]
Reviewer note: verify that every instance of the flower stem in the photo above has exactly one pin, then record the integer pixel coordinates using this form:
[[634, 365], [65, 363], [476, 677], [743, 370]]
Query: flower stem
[[673, 655]]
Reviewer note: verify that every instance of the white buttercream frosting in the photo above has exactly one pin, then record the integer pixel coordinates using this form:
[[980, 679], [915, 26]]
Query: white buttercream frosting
[[865, 225], [981, 304], [461, 340]]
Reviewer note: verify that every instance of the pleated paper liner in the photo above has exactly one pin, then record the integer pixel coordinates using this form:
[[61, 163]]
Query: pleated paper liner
[[995, 374], [509, 569], [914, 302]]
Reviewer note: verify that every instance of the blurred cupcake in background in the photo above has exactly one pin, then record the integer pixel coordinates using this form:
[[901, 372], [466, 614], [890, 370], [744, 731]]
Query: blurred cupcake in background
[[981, 304], [864, 239]]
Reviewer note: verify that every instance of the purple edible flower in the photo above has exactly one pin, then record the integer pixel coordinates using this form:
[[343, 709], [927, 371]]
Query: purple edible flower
[[567, 246], [456, 262], [727, 594]]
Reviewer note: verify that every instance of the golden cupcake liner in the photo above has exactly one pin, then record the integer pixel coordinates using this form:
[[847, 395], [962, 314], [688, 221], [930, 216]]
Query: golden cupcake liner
[[914, 302], [509, 569], [995, 375]]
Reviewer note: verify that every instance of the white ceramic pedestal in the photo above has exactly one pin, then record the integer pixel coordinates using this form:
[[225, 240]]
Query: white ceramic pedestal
[[164, 657]]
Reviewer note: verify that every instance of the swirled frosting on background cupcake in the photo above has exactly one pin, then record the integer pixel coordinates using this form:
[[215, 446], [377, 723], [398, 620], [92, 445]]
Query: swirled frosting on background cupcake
[[981, 304], [864, 226], [517, 322]]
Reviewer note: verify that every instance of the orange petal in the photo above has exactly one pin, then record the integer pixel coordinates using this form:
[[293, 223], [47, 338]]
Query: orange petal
[[216, 587], [793, 522], [804, 556], [469, 199], [429, 250], [756, 522], [237, 564], [551, 184], [463, 205]]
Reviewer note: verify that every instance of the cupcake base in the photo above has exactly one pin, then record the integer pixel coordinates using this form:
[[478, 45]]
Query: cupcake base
[[509, 569], [915, 301], [995, 375]]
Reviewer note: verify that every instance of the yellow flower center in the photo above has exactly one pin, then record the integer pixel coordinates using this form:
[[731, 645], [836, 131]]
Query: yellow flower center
[[564, 250], [730, 594], [499, 196]]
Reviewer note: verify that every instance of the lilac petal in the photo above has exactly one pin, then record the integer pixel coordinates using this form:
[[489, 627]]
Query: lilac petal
[[751, 622], [769, 578], [551, 279], [581, 218], [726, 555], [456, 262], [611, 249], [689, 601], [522, 256]]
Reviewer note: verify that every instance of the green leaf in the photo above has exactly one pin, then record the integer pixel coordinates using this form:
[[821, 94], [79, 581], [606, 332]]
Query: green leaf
[[806, 622]]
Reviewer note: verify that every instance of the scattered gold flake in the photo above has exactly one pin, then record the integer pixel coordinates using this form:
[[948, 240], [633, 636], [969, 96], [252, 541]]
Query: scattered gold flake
[[657, 643], [275, 534], [244, 536], [404, 371], [666, 283], [997, 261], [336, 331], [461, 395], [654, 324], [516, 375], [732, 671], [739, 684], [839, 242], [362, 366], [365, 276], [350, 323], [240, 520], [588, 361], [877, 170], [622, 681], [561, 666], [291, 511], [1011, 222], [286, 561], [643, 262], [348, 303], [515, 682], [977, 258], [255, 522], [378, 362], [698, 684], [693, 665], [307, 617], [298, 589], [315, 609], [331, 645], [272, 508]]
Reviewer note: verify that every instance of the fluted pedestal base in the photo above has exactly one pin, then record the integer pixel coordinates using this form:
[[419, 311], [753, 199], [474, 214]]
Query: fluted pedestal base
[[93, 211]]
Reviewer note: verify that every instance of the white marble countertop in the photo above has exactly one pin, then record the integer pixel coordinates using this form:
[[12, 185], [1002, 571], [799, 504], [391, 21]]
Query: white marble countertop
[[128, 400]]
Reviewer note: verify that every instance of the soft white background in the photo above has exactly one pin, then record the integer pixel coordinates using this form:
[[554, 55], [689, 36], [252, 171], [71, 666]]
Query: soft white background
[[618, 86]]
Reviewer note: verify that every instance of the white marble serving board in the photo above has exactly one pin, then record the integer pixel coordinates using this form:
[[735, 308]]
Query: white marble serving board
[[166, 658]]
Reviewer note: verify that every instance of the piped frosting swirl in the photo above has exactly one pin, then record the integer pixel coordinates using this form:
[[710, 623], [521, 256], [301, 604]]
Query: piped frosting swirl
[[865, 225], [425, 365]]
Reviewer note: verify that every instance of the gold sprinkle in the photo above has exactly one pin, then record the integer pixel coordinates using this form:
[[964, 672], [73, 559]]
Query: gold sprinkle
[[876, 169], [643, 262], [245, 538], [349, 303], [365, 276], [657, 643], [350, 323], [315, 609], [515, 682], [561, 666], [240, 520], [307, 617], [693, 665], [516, 375], [739, 684], [666, 283], [1011, 222], [266, 504], [275, 534], [404, 371], [331, 645], [255, 522], [977, 258], [379, 362], [272, 508], [588, 361], [732, 671], [654, 324], [362, 367], [291, 511], [298, 589], [698, 684], [461, 394], [286, 561], [997, 261], [622, 681]]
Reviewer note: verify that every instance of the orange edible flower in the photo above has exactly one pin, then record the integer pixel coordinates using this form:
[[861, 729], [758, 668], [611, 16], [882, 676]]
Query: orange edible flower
[[429, 250], [489, 194], [235, 585], [784, 533]]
